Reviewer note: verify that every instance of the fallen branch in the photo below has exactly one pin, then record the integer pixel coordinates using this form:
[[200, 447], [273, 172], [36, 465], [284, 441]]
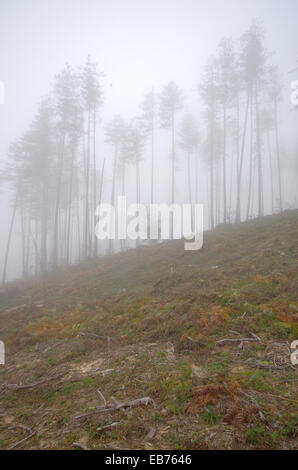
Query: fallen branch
[[256, 363], [108, 426], [80, 446], [195, 341], [151, 433], [236, 340], [24, 387], [111, 446], [256, 336], [21, 426], [128, 404], [117, 403], [102, 397], [21, 441], [93, 335], [282, 398], [52, 346], [13, 309]]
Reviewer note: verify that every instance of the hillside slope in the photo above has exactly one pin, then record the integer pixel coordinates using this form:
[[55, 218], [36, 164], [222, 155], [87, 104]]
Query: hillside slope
[[205, 335]]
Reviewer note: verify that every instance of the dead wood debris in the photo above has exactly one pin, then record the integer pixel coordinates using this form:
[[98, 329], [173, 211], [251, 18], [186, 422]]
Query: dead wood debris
[[108, 426], [94, 335], [27, 386], [151, 433], [80, 446], [102, 397], [239, 340], [26, 428], [127, 404]]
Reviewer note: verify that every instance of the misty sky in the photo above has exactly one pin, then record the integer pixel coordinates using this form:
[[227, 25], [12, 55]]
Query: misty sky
[[137, 43]]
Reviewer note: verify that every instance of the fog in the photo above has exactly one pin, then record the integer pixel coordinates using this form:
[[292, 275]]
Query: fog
[[139, 46]]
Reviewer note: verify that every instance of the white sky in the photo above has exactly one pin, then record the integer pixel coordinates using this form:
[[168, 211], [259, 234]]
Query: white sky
[[138, 43]]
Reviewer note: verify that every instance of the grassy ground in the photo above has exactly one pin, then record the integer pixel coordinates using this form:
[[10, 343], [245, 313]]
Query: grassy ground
[[150, 323]]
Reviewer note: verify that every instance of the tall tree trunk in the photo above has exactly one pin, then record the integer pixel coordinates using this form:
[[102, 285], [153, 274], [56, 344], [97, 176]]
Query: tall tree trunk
[[173, 158], [23, 231], [152, 161], [240, 167], [250, 162], [196, 178], [113, 191], [122, 242], [271, 172], [224, 167], [78, 228], [259, 158], [36, 253], [69, 209], [173, 172], [218, 194], [137, 163], [208, 202], [189, 179], [44, 225], [57, 207], [94, 179], [87, 225], [231, 181], [28, 243], [253, 186], [9, 240], [212, 173], [101, 182], [278, 157]]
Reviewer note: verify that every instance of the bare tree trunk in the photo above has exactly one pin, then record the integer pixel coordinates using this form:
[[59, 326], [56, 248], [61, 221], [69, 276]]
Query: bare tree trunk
[[231, 182], [23, 231], [278, 158], [28, 243], [122, 242], [212, 168], [9, 240], [78, 228], [100, 189], [173, 159], [44, 229], [94, 179], [152, 161], [259, 159], [189, 178], [37, 254], [57, 207], [137, 188], [196, 179], [253, 185], [219, 192], [87, 227], [208, 202], [113, 191], [250, 162], [224, 167], [271, 172], [69, 209], [101, 180], [238, 207]]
